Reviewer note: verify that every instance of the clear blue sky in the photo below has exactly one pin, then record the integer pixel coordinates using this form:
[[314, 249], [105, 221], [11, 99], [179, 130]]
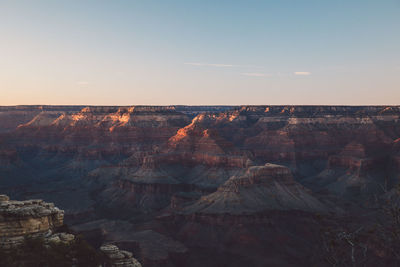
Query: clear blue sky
[[199, 52]]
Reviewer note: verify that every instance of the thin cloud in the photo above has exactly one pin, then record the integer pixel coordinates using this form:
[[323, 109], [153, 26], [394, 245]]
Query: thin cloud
[[210, 65], [303, 73], [255, 74]]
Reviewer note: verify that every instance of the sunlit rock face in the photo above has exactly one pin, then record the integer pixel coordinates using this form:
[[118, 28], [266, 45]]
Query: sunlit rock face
[[130, 152], [13, 116]]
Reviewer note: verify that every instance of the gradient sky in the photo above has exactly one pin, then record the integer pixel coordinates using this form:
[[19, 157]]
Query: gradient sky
[[199, 52]]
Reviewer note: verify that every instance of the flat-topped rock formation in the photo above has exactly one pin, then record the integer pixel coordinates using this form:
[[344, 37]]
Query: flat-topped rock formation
[[20, 220], [26, 218], [260, 188]]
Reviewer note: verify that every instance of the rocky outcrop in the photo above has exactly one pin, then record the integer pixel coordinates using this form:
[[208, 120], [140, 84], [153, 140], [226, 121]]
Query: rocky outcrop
[[118, 258], [30, 218], [150, 247], [37, 219], [26, 218], [60, 238]]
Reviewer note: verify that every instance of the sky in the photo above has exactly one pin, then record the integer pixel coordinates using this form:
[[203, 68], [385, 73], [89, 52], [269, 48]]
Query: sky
[[208, 52]]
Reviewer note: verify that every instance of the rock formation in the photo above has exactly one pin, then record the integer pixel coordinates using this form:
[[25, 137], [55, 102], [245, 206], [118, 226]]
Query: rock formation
[[260, 188], [37, 219], [19, 219], [119, 258], [150, 247]]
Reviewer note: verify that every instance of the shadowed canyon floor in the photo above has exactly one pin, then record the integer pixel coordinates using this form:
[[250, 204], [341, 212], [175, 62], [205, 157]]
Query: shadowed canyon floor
[[204, 185]]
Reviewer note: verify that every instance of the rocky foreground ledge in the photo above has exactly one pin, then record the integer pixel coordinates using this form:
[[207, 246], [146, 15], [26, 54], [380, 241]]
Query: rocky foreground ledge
[[20, 220], [120, 258]]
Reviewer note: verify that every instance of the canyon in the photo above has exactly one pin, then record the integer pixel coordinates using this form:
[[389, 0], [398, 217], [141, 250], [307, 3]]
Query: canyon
[[204, 185]]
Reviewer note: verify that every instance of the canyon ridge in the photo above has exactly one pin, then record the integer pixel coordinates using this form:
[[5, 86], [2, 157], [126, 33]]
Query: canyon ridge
[[210, 185]]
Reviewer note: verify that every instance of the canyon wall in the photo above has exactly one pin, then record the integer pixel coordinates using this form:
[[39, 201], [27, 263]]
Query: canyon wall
[[345, 150], [201, 166]]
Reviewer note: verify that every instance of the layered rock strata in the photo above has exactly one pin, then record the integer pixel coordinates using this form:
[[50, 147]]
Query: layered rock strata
[[260, 188], [36, 218], [134, 152], [19, 219], [118, 258]]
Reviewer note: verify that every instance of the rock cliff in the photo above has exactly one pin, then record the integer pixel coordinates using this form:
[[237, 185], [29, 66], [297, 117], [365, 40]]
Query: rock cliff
[[38, 220], [119, 258], [19, 219]]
